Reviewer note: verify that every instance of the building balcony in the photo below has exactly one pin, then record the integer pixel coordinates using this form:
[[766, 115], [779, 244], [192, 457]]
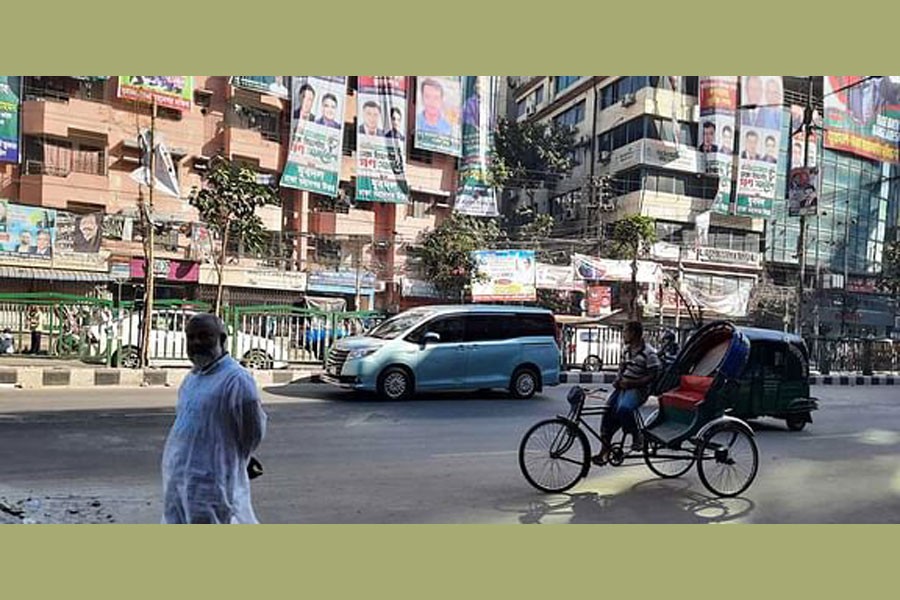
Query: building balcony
[[59, 117], [253, 144], [354, 222], [55, 188]]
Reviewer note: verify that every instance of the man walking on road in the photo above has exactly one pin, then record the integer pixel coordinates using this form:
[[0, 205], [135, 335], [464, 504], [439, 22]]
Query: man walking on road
[[219, 422]]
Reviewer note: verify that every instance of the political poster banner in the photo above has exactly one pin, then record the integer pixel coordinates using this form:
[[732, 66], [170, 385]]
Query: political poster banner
[[798, 138], [9, 118], [438, 108], [505, 275], [559, 278], [592, 268], [762, 98], [170, 91], [274, 85], [599, 300], [26, 232], [317, 134], [381, 139], [862, 116], [803, 185], [475, 196], [78, 233], [718, 105]]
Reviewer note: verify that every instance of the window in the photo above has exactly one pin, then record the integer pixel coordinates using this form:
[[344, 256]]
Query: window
[[615, 91], [55, 157], [520, 107], [484, 328], [528, 325], [561, 82], [539, 95], [572, 116], [449, 328], [266, 122]]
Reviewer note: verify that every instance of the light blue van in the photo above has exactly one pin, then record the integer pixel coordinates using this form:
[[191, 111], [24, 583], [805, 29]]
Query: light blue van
[[463, 347]]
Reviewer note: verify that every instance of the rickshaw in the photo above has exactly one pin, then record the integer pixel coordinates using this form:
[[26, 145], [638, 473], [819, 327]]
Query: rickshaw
[[775, 382], [692, 425]]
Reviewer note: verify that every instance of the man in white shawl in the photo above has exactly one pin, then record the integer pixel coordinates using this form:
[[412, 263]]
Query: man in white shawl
[[219, 422]]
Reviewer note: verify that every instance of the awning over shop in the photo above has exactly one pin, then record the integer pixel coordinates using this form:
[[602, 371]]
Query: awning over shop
[[53, 274]]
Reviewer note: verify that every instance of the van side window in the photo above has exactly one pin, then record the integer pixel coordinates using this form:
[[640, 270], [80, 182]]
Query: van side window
[[482, 328], [449, 328], [528, 325]]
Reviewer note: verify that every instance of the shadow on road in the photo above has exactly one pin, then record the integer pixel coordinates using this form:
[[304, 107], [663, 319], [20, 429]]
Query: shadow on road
[[655, 501], [322, 391]]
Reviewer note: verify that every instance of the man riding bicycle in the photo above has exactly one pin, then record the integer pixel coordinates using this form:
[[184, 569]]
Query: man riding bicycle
[[638, 368]]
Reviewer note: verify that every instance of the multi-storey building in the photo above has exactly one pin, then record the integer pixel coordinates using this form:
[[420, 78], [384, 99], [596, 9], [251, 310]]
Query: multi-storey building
[[79, 147]]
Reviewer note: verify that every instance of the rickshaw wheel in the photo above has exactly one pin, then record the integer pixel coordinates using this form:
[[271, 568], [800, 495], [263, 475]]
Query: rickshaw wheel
[[554, 455], [797, 422], [727, 460], [666, 466]]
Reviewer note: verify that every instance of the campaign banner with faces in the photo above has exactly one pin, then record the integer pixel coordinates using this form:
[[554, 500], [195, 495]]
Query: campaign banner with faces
[[798, 138], [381, 139], [317, 134], [718, 104], [762, 98], [26, 232], [9, 119], [78, 233], [438, 107], [803, 185], [170, 91], [475, 196], [862, 116]]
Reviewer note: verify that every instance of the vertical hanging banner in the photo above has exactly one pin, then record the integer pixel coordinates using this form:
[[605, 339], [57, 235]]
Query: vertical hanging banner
[[9, 119], [170, 91], [862, 116], [317, 134], [760, 143], [381, 139], [798, 138], [438, 106], [803, 188], [718, 103], [475, 195]]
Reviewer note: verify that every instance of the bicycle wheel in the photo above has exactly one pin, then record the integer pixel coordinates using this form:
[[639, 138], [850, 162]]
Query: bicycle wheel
[[727, 460], [554, 455], [665, 462]]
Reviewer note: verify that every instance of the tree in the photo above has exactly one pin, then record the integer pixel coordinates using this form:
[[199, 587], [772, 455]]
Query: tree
[[528, 153], [889, 278], [227, 204], [446, 251], [631, 238]]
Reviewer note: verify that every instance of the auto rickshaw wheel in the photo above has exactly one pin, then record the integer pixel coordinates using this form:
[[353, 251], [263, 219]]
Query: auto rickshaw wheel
[[797, 421]]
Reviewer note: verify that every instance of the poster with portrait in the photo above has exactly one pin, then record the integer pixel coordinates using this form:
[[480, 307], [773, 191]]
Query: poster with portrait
[[718, 106], [798, 138], [862, 116], [475, 196], [170, 91], [599, 300], [274, 85], [803, 186], [381, 139], [78, 234], [761, 119], [26, 232], [438, 114], [317, 134], [9, 118], [506, 275]]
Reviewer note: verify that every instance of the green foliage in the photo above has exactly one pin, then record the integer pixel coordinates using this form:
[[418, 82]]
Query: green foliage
[[228, 203], [889, 278], [631, 238], [525, 225], [446, 251], [527, 153]]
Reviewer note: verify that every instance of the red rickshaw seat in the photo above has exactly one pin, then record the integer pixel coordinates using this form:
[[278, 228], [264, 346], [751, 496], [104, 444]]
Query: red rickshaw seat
[[690, 392]]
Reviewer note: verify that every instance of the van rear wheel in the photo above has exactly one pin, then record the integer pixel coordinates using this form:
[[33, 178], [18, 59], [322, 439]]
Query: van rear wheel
[[524, 383]]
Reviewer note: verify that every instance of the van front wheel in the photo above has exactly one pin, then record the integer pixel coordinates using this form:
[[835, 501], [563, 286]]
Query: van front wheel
[[524, 383], [395, 384]]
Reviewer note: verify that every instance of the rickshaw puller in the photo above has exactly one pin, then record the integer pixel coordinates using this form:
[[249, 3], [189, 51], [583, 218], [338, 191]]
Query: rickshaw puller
[[638, 369]]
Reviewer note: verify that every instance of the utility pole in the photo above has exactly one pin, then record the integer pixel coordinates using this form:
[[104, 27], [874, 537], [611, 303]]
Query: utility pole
[[801, 240], [149, 238]]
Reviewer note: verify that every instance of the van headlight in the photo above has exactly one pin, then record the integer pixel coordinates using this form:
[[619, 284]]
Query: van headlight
[[360, 353]]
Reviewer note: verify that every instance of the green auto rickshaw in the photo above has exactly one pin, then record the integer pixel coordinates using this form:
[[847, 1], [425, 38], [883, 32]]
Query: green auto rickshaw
[[775, 381]]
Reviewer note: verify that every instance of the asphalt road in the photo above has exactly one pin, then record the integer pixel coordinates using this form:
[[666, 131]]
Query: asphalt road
[[331, 457]]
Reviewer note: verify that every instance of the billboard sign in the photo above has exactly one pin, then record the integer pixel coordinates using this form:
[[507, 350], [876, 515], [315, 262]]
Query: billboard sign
[[506, 275], [862, 116], [170, 91]]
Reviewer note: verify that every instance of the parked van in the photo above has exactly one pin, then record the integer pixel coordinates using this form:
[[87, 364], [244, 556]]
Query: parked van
[[450, 348]]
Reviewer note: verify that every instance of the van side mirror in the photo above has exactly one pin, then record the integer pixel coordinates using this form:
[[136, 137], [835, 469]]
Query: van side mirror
[[431, 337]]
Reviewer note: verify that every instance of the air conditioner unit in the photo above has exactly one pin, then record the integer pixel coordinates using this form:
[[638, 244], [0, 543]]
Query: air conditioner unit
[[605, 156], [380, 286], [201, 163], [529, 110], [628, 99], [583, 140]]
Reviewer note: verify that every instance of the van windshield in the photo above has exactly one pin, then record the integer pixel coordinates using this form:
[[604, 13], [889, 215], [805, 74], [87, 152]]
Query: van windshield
[[395, 327]]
